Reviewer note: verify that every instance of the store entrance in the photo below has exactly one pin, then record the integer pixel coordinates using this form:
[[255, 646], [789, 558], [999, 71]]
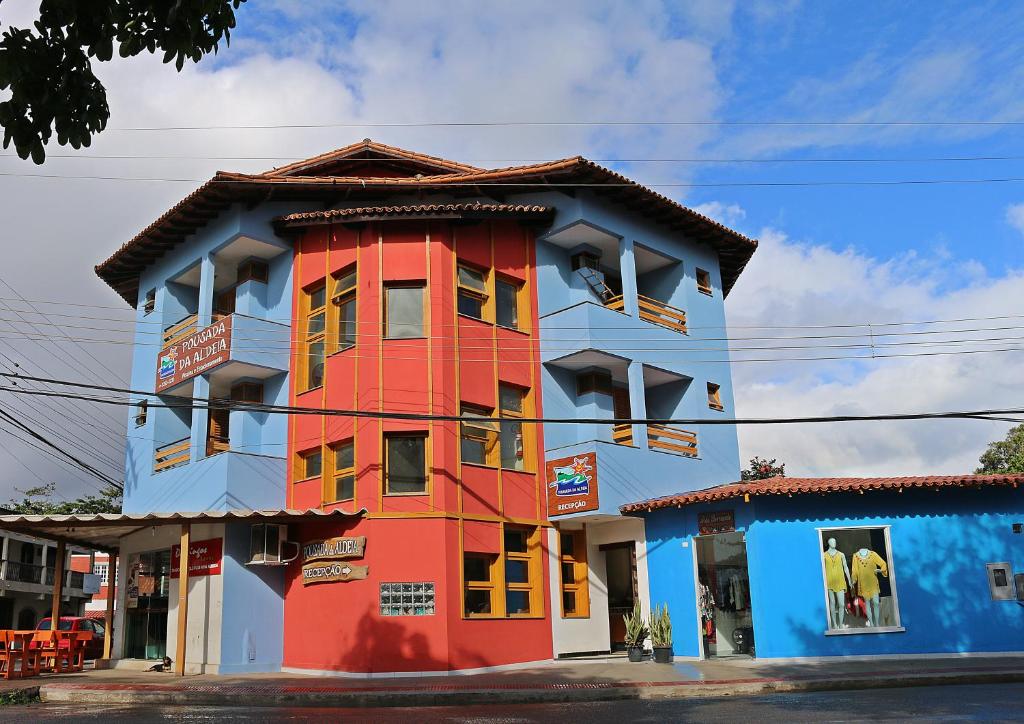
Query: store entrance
[[146, 605], [620, 574], [723, 595]]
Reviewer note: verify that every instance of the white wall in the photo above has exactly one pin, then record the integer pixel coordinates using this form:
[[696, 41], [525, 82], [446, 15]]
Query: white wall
[[205, 597], [575, 635]]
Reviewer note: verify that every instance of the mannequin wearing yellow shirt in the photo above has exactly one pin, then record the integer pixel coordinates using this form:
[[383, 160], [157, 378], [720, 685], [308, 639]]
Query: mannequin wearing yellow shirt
[[866, 566], [837, 580]]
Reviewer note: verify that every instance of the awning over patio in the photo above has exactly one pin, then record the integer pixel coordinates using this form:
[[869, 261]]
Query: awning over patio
[[103, 531]]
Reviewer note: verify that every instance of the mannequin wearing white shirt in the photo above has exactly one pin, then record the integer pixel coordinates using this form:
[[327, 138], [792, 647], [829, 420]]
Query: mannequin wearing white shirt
[[837, 599]]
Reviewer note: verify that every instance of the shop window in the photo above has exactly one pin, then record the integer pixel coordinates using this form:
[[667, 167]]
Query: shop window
[[506, 300], [703, 281], [141, 413], [472, 292], [478, 439], [315, 305], [309, 464], [344, 471], [407, 599], [594, 381], [343, 297], [149, 304], [478, 572], [253, 270], [522, 571], [572, 557], [405, 465], [714, 397], [860, 590], [250, 392], [403, 312], [511, 402]]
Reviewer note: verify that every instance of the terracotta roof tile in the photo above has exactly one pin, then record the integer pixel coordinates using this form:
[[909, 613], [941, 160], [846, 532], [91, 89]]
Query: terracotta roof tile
[[369, 146], [803, 486], [366, 213]]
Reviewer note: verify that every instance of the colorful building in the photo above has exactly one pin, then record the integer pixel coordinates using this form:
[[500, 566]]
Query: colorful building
[[411, 315]]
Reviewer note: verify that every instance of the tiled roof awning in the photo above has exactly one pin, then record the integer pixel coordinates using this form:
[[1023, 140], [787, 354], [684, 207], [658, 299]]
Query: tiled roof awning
[[415, 211], [103, 531], [803, 486]]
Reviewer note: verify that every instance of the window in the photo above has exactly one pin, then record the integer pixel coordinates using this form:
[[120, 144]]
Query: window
[[248, 392], [101, 570], [703, 282], [267, 543], [479, 436], [522, 571], [141, 413], [594, 381], [586, 260], [253, 270], [405, 466], [407, 599], [309, 464], [573, 569], [513, 448], [857, 566], [313, 357], [714, 398], [149, 304], [478, 573], [343, 296], [506, 298], [472, 292], [344, 471], [403, 312]]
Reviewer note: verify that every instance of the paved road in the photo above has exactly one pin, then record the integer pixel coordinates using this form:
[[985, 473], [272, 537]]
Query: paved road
[[952, 703]]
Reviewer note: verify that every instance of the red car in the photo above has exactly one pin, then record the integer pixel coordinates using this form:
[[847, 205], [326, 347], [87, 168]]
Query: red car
[[93, 647]]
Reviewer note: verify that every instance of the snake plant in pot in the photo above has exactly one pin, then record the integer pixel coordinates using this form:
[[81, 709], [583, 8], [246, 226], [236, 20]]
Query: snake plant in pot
[[661, 634], [636, 633]]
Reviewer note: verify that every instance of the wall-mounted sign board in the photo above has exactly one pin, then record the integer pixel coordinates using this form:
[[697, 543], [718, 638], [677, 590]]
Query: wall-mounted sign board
[[332, 572], [197, 353]]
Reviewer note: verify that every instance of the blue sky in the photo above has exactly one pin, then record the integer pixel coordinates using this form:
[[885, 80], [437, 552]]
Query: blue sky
[[829, 255]]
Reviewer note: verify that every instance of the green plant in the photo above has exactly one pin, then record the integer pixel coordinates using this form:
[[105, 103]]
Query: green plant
[[661, 627], [636, 627]]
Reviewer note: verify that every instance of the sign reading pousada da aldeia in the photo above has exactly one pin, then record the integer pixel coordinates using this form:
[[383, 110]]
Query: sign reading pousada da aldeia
[[334, 549]]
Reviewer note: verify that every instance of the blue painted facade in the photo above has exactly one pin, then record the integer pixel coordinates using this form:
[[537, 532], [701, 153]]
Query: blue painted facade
[[940, 539]]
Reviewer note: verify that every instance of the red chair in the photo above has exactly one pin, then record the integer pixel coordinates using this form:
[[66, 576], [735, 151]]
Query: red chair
[[42, 651], [76, 649]]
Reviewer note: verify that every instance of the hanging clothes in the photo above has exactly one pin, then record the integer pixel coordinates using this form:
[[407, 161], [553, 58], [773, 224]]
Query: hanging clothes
[[738, 592], [706, 603], [865, 573]]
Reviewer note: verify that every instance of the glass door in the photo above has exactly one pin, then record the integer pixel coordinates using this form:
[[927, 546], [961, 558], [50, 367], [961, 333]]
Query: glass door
[[723, 595], [146, 604]]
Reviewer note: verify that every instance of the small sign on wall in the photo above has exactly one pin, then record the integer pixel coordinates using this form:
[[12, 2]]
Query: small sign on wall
[[716, 521], [204, 558], [572, 484], [324, 561], [332, 572]]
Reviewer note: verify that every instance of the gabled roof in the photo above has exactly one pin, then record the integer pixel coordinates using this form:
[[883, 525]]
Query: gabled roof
[[301, 182], [802, 486], [358, 155], [474, 210]]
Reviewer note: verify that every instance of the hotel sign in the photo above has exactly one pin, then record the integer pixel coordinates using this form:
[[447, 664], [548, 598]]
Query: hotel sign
[[204, 558], [195, 354], [324, 561], [572, 484]]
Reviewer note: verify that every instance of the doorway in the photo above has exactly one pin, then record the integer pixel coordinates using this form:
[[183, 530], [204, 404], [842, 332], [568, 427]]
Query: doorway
[[723, 595], [620, 575], [146, 605]]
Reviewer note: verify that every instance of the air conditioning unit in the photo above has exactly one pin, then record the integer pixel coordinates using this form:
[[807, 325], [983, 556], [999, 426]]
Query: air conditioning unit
[[268, 545]]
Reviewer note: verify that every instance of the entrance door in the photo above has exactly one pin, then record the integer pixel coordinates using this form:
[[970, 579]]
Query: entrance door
[[147, 605], [620, 572], [723, 595]]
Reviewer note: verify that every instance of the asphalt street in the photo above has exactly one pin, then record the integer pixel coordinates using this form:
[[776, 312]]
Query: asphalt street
[[997, 702]]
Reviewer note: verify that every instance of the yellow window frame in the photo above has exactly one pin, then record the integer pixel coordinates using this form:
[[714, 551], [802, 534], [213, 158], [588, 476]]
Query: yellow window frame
[[484, 295], [490, 585], [532, 558], [579, 586], [309, 338], [341, 295], [331, 492], [715, 397]]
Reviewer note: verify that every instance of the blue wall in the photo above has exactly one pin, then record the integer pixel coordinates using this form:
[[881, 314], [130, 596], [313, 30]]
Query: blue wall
[[941, 541]]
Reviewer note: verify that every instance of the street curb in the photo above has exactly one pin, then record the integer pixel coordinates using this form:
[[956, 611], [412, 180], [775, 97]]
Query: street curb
[[320, 696]]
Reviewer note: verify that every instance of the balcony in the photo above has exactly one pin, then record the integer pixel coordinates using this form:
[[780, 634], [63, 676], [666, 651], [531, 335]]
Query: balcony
[[18, 572], [217, 444], [651, 310], [172, 455], [176, 332], [672, 440], [622, 434]]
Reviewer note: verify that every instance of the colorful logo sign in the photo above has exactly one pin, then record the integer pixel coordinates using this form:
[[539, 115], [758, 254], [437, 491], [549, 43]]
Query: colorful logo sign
[[572, 484], [167, 361]]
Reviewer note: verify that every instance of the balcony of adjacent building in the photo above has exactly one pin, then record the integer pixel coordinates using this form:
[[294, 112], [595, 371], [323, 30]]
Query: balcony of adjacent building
[[29, 567]]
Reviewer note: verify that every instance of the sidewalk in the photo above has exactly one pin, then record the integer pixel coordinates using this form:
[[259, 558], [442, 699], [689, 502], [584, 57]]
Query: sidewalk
[[603, 678]]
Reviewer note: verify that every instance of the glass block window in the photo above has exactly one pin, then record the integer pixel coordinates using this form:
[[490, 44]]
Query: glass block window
[[407, 599]]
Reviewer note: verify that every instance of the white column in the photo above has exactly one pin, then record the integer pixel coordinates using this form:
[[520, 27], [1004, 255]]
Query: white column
[[627, 272], [3, 565], [205, 308], [637, 402]]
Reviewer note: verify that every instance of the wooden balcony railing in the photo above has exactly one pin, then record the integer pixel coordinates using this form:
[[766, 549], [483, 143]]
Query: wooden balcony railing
[[216, 444], [180, 329], [651, 310], [671, 439], [172, 455], [622, 434]]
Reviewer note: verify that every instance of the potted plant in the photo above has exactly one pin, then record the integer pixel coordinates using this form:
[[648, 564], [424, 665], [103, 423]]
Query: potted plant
[[636, 633], [661, 634]]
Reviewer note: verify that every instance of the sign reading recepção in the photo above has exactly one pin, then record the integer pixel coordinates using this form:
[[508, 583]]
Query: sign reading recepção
[[323, 561], [572, 484], [197, 353]]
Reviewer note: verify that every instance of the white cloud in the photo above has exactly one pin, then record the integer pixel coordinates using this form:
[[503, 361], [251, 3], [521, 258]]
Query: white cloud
[[728, 214], [798, 283], [1015, 216]]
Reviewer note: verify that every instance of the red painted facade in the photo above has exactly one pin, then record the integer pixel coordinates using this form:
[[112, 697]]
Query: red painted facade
[[466, 508]]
